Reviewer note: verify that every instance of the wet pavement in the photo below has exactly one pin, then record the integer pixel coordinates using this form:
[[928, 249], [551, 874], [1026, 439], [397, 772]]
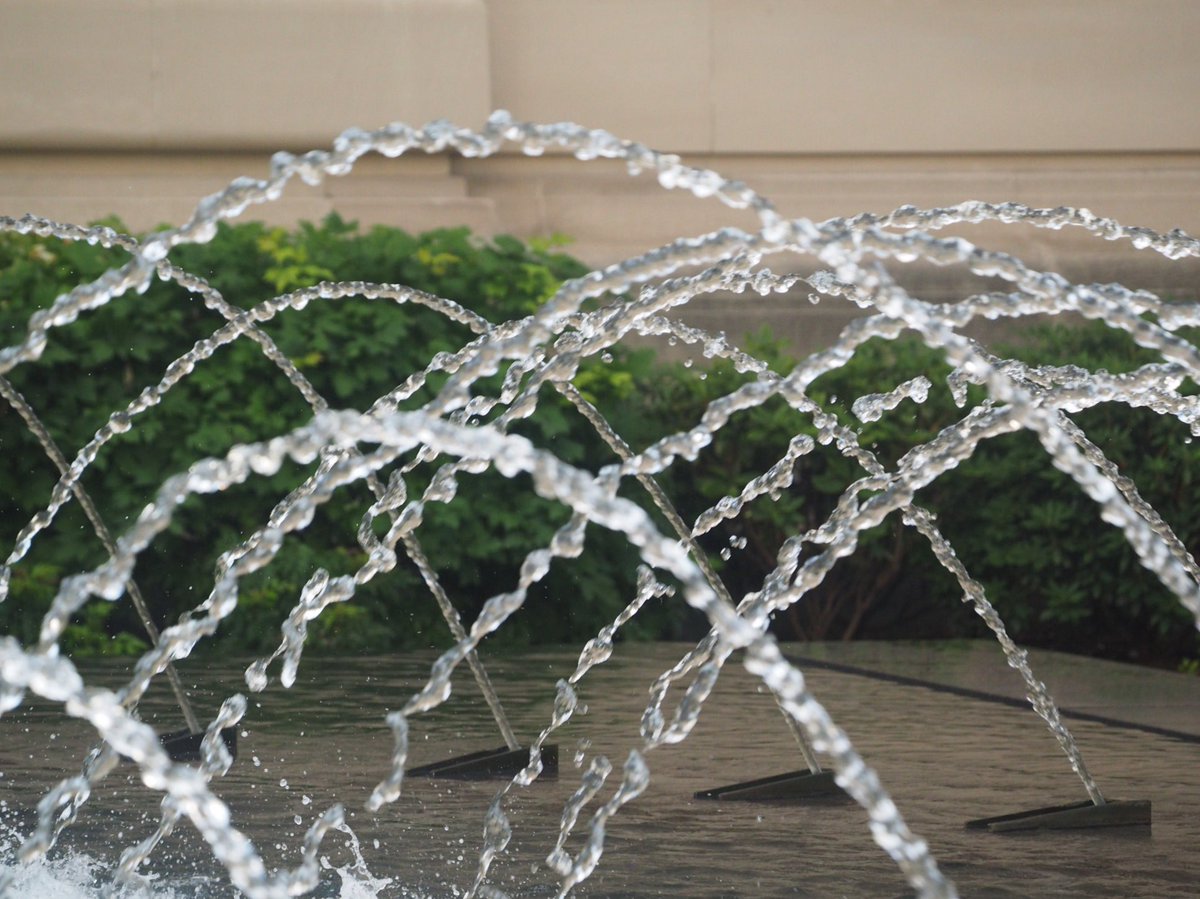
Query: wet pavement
[[940, 723]]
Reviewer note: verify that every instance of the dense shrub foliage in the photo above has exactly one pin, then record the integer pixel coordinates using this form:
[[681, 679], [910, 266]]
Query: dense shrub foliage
[[353, 351], [1058, 575]]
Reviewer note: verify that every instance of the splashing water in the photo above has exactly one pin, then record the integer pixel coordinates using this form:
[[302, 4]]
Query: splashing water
[[381, 445]]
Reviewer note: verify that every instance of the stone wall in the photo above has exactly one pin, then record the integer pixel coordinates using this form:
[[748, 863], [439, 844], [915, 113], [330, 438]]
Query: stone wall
[[829, 107]]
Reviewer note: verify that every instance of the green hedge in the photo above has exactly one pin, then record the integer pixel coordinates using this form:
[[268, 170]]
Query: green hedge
[[352, 351], [1059, 576]]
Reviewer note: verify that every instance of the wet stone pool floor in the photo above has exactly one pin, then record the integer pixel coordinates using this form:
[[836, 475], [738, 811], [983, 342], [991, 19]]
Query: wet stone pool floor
[[941, 723]]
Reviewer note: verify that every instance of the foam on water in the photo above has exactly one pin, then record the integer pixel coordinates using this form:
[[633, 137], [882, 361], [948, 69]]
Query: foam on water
[[78, 875], [69, 875], [382, 445]]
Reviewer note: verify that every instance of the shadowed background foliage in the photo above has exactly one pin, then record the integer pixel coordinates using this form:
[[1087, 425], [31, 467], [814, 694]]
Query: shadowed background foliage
[[1059, 576]]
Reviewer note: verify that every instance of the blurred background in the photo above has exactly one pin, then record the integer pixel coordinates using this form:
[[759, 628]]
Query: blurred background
[[137, 108], [133, 110]]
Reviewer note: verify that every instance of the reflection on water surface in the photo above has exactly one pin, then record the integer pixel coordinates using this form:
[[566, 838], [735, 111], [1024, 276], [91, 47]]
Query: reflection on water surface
[[945, 758]]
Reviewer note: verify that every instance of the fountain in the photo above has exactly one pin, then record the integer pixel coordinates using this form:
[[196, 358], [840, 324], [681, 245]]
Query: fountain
[[467, 430]]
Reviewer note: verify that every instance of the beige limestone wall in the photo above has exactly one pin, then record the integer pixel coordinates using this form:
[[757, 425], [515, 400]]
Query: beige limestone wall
[[857, 76], [707, 76], [829, 107], [233, 74]]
